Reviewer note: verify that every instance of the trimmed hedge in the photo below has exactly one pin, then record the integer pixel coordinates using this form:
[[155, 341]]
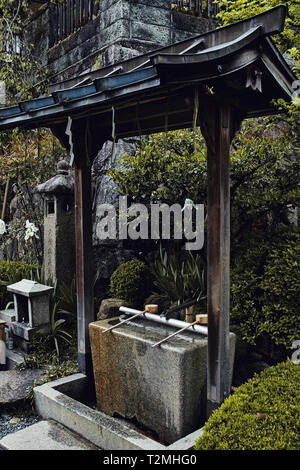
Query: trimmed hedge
[[265, 289], [131, 281], [262, 414], [11, 272]]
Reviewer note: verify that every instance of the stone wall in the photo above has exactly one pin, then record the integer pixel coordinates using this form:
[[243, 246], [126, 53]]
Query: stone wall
[[108, 254], [121, 29], [40, 33]]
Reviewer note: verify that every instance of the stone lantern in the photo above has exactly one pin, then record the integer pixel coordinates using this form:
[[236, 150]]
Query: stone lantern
[[32, 310], [31, 302], [59, 234]]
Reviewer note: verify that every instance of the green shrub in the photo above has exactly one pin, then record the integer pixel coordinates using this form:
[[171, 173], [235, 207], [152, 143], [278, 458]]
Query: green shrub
[[262, 414], [11, 272], [131, 281], [265, 289], [178, 275]]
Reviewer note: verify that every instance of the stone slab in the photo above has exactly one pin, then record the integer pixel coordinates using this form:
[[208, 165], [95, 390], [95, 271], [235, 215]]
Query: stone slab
[[23, 330], [186, 442], [29, 288], [45, 435], [14, 357], [53, 400], [14, 384]]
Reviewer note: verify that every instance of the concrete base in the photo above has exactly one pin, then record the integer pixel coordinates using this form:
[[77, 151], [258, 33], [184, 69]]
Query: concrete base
[[23, 333], [163, 388], [59, 400], [26, 332], [21, 344], [45, 435]]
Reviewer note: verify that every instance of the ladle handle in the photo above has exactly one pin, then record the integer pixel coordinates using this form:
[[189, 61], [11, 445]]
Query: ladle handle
[[174, 334], [122, 322]]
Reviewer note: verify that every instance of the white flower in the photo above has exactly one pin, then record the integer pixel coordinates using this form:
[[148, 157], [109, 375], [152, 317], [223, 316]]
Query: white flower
[[31, 230], [2, 227], [29, 225]]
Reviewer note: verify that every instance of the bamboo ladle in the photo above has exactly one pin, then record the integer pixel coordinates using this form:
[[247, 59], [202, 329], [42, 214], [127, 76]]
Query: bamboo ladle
[[150, 308]]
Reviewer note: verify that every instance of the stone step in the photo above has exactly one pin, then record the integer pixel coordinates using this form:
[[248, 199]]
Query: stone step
[[14, 357], [45, 435], [14, 385]]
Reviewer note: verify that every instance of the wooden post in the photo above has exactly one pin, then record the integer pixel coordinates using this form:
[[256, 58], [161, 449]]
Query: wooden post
[[5, 200], [83, 244], [218, 128], [84, 147], [2, 343]]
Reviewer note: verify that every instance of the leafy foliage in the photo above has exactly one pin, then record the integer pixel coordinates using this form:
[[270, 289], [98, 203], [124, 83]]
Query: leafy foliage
[[17, 246], [264, 180], [178, 275], [288, 41], [57, 331], [168, 167], [62, 304], [262, 414], [51, 371], [131, 281], [265, 288], [68, 301], [27, 157], [264, 175], [16, 54], [236, 10]]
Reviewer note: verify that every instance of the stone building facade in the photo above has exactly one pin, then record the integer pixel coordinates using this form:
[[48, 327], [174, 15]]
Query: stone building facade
[[117, 30]]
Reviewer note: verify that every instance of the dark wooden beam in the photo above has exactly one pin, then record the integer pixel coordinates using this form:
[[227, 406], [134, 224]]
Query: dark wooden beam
[[85, 148], [59, 130], [218, 124], [83, 238]]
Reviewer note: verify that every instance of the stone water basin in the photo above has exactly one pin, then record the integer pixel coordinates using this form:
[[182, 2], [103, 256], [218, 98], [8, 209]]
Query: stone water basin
[[163, 388]]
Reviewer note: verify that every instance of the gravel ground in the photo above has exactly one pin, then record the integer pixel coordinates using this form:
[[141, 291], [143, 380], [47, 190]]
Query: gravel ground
[[10, 423]]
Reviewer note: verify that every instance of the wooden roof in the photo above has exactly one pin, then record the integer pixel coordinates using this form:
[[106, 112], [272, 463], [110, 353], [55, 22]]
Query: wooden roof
[[238, 63]]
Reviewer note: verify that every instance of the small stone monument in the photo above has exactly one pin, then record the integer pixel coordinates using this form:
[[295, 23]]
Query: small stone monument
[[59, 232], [32, 310]]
